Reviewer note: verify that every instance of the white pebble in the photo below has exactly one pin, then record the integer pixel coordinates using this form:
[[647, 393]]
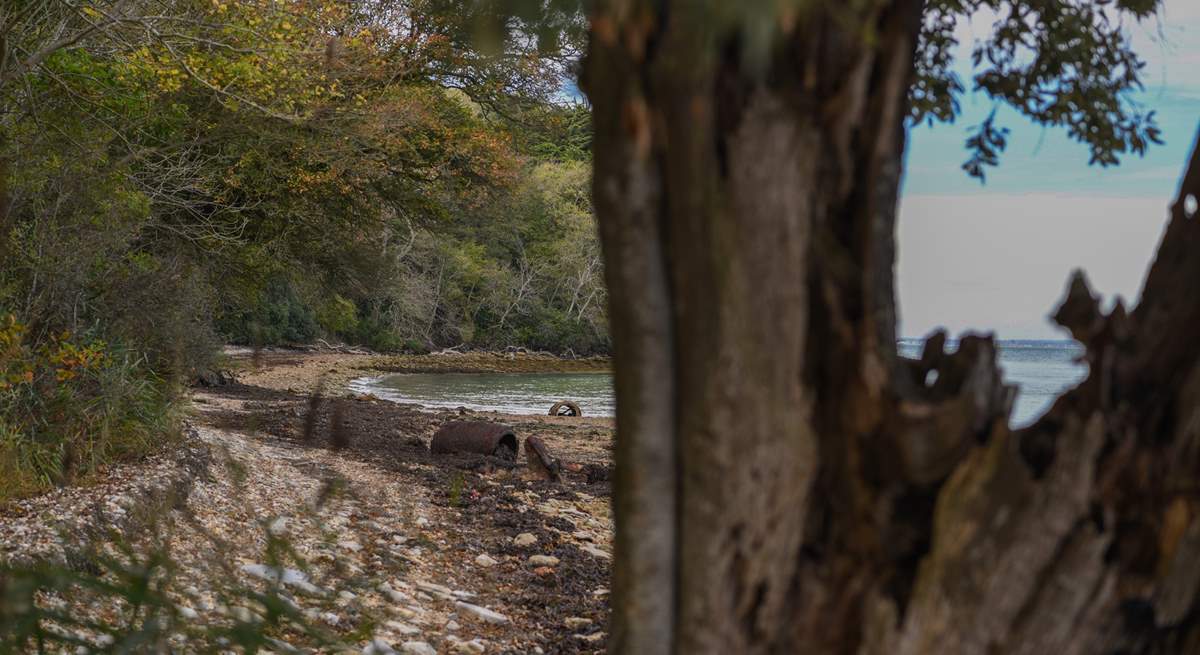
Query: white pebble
[[403, 628], [542, 560], [378, 647], [481, 612], [474, 646], [418, 648]]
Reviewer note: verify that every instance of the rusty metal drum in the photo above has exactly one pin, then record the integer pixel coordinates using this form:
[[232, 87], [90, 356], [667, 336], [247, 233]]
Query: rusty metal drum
[[475, 437]]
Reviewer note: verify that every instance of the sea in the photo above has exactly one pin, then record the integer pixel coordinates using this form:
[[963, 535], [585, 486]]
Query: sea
[[1040, 369]]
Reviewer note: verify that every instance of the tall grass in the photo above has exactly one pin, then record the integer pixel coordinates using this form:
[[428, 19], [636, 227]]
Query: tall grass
[[70, 405]]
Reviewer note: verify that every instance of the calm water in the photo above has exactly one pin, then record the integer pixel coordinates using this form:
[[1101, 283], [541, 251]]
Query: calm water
[[1042, 370], [514, 393]]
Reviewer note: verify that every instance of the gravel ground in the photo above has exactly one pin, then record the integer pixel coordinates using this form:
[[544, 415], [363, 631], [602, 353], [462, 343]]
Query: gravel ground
[[405, 551]]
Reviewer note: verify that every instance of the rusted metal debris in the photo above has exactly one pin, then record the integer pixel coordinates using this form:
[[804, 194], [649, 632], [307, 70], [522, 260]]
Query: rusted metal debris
[[475, 437], [565, 408], [540, 461]]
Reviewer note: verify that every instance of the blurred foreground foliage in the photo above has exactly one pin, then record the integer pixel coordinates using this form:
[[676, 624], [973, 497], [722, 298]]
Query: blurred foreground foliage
[[127, 590]]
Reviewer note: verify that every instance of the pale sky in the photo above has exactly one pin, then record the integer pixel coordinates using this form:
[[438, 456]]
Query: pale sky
[[996, 257]]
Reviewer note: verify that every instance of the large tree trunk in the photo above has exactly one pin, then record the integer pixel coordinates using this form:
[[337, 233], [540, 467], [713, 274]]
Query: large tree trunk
[[784, 481]]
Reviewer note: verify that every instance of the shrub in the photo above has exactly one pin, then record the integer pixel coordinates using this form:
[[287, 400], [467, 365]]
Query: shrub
[[69, 405], [376, 334], [338, 316], [277, 316]]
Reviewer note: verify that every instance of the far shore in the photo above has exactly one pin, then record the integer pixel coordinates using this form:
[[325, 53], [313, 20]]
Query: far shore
[[304, 371]]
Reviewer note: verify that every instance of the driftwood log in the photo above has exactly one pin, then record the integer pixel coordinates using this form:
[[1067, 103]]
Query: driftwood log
[[540, 461]]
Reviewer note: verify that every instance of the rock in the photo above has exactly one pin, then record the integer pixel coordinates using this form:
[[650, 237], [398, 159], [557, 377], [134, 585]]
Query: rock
[[188, 613], [542, 560], [346, 595], [422, 521], [524, 539], [331, 618], [594, 637], [481, 613], [287, 600], [486, 560], [378, 647], [576, 622], [282, 646], [595, 552], [410, 613], [393, 595], [278, 527], [543, 571], [417, 648], [438, 590], [403, 628], [452, 625], [283, 576], [473, 646]]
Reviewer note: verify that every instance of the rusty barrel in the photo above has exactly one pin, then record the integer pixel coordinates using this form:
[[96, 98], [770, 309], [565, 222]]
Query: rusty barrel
[[475, 437]]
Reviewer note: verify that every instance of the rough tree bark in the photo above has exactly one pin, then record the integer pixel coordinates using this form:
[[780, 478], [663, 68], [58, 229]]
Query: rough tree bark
[[805, 489]]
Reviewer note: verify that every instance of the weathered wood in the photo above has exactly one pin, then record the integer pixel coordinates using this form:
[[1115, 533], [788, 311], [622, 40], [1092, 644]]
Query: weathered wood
[[539, 460], [627, 189], [802, 488]]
